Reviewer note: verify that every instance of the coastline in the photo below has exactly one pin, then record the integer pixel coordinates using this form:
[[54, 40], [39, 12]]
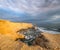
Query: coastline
[[48, 41], [48, 31]]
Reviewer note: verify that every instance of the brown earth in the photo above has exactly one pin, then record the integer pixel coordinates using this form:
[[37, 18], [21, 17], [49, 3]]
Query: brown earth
[[8, 35]]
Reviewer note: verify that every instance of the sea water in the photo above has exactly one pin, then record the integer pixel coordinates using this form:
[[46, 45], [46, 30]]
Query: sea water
[[48, 31]]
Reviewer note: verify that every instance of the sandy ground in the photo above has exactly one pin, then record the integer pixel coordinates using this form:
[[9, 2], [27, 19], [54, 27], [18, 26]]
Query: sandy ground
[[8, 36], [8, 44]]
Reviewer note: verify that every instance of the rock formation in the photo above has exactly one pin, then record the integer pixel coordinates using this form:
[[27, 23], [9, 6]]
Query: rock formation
[[25, 36]]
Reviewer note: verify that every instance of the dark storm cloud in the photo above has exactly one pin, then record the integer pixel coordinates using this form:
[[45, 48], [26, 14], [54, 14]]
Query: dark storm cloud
[[44, 9], [30, 6]]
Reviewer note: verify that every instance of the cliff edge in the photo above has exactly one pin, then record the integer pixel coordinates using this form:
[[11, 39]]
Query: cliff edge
[[9, 33]]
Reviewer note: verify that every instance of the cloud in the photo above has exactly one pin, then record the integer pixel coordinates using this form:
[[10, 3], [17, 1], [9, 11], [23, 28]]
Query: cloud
[[30, 6], [56, 17]]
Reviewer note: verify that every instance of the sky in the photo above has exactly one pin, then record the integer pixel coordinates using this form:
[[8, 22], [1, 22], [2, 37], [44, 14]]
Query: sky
[[42, 10]]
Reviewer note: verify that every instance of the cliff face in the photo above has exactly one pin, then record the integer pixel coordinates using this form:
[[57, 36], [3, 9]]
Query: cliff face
[[10, 29], [9, 33]]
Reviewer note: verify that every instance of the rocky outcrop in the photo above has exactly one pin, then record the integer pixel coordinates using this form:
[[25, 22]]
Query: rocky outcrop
[[17, 36]]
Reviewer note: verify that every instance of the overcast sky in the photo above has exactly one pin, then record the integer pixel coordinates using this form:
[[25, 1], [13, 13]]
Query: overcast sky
[[34, 7]]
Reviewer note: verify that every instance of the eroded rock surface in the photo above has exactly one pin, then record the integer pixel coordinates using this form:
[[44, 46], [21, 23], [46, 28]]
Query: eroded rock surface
[[10, 31], [30, 34], [33, 36]]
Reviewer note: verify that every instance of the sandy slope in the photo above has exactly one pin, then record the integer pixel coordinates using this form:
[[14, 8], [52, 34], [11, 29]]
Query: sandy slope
[[10, 29], [8, 44], [8, 35], [54, 40]]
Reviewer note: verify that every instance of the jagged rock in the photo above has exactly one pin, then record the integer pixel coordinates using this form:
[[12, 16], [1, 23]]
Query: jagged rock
[[30, 34]]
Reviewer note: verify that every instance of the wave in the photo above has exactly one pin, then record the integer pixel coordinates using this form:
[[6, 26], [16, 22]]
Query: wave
[[48, 31]]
